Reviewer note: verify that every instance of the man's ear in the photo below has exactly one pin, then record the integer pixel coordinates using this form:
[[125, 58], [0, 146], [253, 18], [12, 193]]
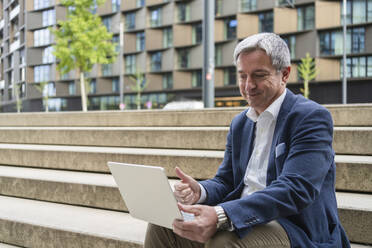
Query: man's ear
[[285, 74]]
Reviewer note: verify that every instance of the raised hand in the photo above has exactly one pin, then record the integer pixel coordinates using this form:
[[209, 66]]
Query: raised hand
[[187, 191]]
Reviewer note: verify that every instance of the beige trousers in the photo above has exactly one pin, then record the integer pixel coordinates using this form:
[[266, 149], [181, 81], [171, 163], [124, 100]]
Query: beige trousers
[[270, 235]]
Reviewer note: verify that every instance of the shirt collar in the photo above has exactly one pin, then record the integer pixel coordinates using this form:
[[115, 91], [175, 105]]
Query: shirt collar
[[273, 109]]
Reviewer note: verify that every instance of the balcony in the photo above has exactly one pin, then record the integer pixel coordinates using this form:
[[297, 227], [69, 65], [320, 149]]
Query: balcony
[[14, 12]]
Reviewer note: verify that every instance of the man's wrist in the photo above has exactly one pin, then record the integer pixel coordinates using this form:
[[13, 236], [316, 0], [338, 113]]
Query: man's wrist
[[223, 222]]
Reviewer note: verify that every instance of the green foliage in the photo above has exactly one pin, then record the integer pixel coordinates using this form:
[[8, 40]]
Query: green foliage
[[82, 40], [308, 72], [138, 78]]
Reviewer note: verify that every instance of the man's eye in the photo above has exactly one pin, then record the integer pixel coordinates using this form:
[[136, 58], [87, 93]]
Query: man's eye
[[259, 75]]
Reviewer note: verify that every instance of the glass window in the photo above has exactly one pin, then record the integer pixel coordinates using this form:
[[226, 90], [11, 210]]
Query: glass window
[[42, 37], [107, 22], [155, 17], [218, 7], [48, 56], [265, 22], [115, 85], [229, 76], [196, 79], [230, 29], [357, 40], [248, 5], [140, 3], [71, 88], [116, 42], [130, 64], [140, 41], [218, 55], [167, 37], [369, 10], [183, 58], [130, 21], [359, 13], [22, 58], [168, 81], [39, 4], [183, 12], [115, 5], [197, 33], [93, 86], [305, 19], [49, 89], [156, 61], [106, 69], [369, 66], [42, 73], [49, 17]]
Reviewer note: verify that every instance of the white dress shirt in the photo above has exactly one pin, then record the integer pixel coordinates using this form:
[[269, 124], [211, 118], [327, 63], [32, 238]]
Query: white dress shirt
[[255, 174]]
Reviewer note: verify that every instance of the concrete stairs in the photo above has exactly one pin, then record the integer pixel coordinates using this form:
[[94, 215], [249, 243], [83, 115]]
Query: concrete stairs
[[56, 190]]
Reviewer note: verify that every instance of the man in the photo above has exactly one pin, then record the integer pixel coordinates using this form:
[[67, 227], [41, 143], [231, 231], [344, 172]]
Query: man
[[275, 186]]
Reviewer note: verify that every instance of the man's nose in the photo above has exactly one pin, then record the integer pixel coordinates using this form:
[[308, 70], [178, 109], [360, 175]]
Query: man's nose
[[249, 84]]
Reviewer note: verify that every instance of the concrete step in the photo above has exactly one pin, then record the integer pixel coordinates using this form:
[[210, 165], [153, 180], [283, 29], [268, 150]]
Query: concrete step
[[355, 211], [347, 140], [2, 245], [360, 246], [354, 173], [343, 115], [30, 223]]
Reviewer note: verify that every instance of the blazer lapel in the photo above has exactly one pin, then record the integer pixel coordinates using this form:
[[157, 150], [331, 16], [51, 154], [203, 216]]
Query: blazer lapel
[[248, 135]]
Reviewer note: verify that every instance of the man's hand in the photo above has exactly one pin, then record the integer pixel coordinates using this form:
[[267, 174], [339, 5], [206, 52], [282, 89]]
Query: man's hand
[[202, 228], [187, 191]]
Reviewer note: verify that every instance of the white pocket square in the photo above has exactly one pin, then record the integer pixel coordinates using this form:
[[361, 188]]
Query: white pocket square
[[280, 149]]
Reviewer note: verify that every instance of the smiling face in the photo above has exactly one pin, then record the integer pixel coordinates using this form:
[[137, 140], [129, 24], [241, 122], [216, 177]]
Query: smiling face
[[259, 82]]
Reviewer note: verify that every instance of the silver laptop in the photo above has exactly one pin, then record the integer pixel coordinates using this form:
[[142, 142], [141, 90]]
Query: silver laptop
[[147, 193]]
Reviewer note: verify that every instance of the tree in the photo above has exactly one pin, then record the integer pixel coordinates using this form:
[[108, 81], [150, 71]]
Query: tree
[[307, 72], [82, 41], [140, 84], [42, 87]]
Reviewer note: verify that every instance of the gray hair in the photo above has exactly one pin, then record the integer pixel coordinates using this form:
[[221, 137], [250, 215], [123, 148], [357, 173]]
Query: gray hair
[[274, 46]]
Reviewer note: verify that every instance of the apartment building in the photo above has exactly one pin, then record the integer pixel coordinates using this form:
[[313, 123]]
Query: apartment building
[[163, 41]]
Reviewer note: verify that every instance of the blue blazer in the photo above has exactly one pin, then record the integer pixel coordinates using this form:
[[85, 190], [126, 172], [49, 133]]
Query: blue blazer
[[300, 191]]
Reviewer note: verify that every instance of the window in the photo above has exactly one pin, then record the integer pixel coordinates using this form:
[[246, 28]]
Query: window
[[22, 58], [229, 76], [155, 17], [93, 86], [167, 37], [331, 42], [42, 73], [183, 58], [265, 22], [130, 21], [358, 11], [358, 67], [183, 12], [130, 64], [39, 4], [168, 81], [197, 33], [248, 5], [49, 89], [115, 5], [140, 3], [42, 37], [49, 17], [48, 56], [218, 55], [156, 61], [116, 42], [71, 88], [291, 43], [115, 85], [106, 69], [305, 18], [107, 22], [140, 41], [285, 2], [218, 7], [230, 29], [196, 79], [94, 7]]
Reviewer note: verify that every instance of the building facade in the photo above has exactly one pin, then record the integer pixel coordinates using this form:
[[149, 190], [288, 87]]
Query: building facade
[[163, 42]]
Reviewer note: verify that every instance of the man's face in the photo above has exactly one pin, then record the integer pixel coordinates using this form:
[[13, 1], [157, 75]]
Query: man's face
[[259, 82]]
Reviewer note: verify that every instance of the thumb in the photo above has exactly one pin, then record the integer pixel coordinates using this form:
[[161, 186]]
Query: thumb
[[184, 177], [188, 208]]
